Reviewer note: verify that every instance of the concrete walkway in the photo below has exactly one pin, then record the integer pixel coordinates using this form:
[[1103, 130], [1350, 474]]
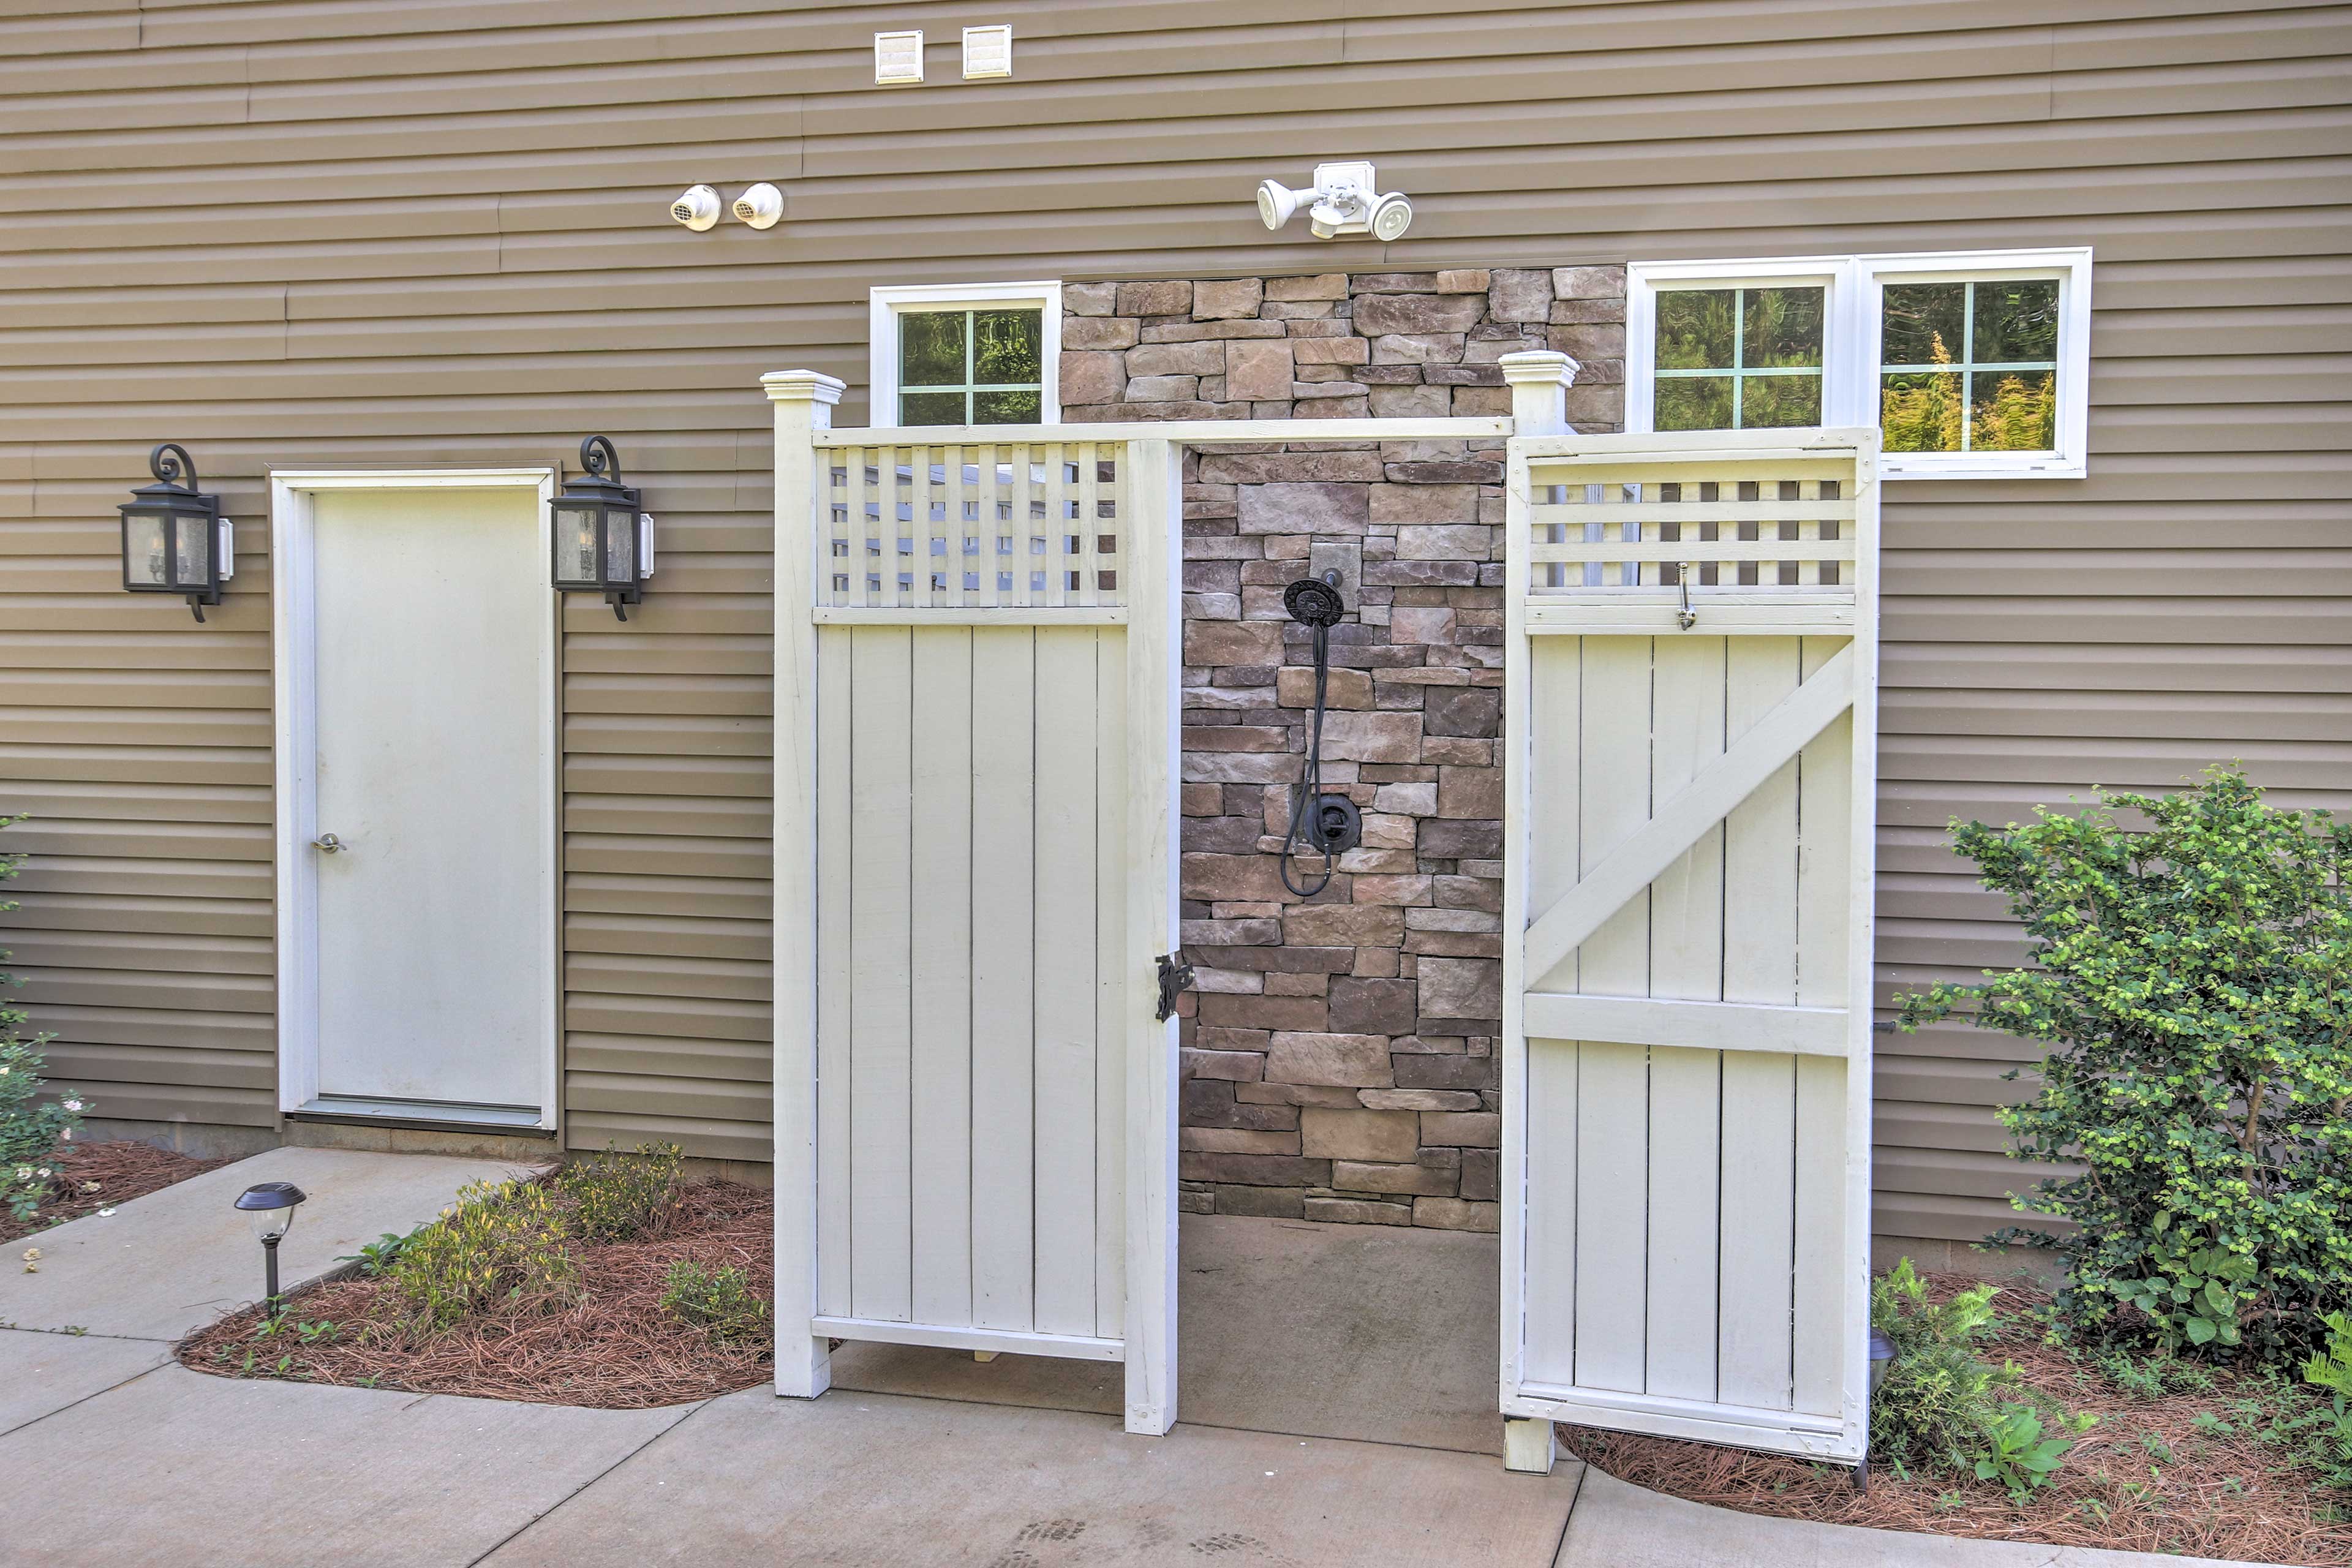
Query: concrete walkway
[[112, 1452], [161, 1266]]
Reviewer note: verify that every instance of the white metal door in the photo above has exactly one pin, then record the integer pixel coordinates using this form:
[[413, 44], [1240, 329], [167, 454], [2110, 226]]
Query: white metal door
[[975, 759], [1689, 831], [433, 774]]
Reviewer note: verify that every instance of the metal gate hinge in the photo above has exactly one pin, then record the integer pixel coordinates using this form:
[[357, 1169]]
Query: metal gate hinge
[[1175, 977]]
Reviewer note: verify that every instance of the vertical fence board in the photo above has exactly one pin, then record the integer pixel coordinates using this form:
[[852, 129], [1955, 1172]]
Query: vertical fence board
[[881, 964], [1004, 721], [1824, 893], [1065, 1062], [833, 983], [1686, 1104], [1113, 975], [1759, 1089], [1612, 1083], [1555, 674], [944, 908]]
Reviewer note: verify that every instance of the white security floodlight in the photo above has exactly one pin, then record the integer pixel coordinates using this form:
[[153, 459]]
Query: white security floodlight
[[697, 207], [1391, 216], [1343, 200], [1277, 202], [761, 205]]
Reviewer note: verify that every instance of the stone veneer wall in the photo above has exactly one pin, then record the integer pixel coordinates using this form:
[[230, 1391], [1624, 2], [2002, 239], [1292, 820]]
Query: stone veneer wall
[[1340, 1052]]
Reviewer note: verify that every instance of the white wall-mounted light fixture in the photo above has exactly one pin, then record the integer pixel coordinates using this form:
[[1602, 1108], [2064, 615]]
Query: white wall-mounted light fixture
[[697, 206], [761, 205], [1343, 200]]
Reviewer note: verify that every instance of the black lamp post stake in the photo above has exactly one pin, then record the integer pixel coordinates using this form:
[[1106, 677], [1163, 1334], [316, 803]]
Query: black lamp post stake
[[270, 1209]]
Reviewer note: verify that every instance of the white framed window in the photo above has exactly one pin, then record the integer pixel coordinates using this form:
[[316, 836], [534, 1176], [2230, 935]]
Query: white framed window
[[1973, 364], [965, 353]]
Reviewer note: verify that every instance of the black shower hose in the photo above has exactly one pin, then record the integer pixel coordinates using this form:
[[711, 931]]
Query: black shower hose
[[1306, 798]]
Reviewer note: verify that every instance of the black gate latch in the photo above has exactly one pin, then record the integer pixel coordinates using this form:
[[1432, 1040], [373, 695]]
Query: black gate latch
[[1175, 976]]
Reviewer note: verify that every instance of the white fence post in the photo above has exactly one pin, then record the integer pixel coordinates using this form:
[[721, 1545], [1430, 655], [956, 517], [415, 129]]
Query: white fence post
[[1539, 380], [804, 402]]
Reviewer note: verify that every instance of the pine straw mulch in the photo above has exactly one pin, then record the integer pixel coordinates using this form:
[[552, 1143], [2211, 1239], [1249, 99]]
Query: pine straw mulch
[[616, 1348], [94, 1176], [2146, 1478]]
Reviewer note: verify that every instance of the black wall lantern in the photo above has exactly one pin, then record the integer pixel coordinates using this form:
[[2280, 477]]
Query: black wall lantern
[[175, 540], [604, 545]]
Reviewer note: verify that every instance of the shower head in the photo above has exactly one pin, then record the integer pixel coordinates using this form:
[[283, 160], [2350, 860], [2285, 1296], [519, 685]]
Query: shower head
[[1315, 601]]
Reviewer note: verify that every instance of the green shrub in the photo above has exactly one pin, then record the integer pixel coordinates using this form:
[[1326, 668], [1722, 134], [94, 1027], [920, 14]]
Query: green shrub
[[2020, 1458], [2331, 1369], [622, 1197], [501, 1244], [2190, 981], [31, 1127], [719, 1301]]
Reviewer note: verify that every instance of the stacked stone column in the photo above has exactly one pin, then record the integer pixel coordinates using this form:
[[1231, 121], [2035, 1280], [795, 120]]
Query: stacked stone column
[[1340, 1051]]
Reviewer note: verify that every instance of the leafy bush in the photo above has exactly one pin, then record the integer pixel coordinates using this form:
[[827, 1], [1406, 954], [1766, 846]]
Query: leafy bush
[[2191, 983], [31, 1127], [719, 1301], [622, 1197], [501, 1242]]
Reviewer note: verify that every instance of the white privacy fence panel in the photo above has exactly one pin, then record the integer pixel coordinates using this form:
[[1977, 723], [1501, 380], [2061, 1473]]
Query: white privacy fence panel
[[975, 750], [972, 798], [1692, 685]]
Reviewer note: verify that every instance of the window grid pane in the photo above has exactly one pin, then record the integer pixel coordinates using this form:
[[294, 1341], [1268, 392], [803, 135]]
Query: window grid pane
[[1952, 401], [1800, 312], [1008, 400]]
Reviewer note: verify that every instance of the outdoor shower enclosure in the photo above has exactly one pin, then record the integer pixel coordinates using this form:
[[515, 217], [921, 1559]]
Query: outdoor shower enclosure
[[977, 675]]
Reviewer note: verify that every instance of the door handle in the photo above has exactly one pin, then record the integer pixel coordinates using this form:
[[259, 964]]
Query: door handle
[[328, 844]]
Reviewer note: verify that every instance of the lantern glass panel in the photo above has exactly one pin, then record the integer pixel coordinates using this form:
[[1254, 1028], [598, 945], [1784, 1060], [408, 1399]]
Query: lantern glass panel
[[145, 554], [575, 545], [620, 548], [194, 539]]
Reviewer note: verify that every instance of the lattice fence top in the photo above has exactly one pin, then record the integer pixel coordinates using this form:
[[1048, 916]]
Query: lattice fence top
[[976, 527], [1652, 541]]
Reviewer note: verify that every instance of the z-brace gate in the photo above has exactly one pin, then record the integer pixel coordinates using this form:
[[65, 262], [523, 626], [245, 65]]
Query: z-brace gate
[[1690, 720]]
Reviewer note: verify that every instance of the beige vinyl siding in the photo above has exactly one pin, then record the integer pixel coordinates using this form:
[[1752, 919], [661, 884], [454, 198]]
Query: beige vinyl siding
[[413, 232]]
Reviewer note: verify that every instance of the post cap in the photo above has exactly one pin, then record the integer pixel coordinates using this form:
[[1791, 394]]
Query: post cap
[[803, 387], [1538, 367]]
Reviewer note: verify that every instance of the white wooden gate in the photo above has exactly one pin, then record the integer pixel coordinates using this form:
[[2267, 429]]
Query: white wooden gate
[[975, 816], [1691, 722]]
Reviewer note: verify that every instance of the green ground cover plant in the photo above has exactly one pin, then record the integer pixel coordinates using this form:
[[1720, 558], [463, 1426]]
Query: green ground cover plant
[[2192, 976], [623, 1197], [32, 1127], [722, 1302]]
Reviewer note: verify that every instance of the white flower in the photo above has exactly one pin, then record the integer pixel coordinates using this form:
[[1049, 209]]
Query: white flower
[[24, 1173], [67, 1135], [45, 1173], [73, 1105]]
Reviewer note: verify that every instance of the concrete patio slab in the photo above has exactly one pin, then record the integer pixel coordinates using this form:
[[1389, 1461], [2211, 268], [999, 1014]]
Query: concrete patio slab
[[1367, 1332], [43, 1374], [355, 1477], [163, 1265], [858, 1478], [1620, 1525]]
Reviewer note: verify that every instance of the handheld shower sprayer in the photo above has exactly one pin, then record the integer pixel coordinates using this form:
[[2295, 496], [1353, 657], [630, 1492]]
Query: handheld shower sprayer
[[1320, 824]]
